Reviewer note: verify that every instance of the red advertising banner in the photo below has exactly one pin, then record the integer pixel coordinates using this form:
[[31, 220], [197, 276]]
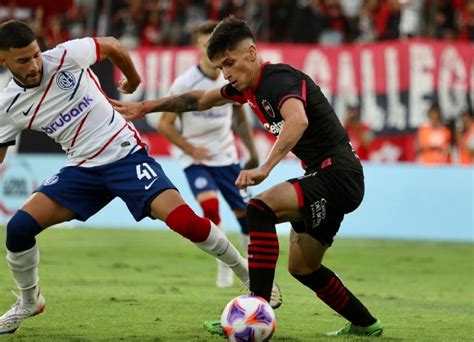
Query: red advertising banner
[[393, 83]]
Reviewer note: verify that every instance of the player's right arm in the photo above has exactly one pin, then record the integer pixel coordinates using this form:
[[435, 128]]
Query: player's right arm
[[112, 49], [166, 127], [3, 153], [196, 100]]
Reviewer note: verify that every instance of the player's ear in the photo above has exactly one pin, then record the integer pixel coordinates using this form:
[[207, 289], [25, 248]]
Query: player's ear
[[252, 51], [2, 59]]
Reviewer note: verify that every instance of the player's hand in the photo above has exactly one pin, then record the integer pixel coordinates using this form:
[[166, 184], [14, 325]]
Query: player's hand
[[252, 163], [250, 177], [200, 153], [127, 87], [129, 110]]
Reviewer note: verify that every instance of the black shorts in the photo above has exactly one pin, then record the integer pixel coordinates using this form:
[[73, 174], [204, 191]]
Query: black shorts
[[325, 196]]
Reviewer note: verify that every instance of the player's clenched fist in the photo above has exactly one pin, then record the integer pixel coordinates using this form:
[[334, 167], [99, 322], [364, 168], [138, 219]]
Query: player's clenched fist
[[250, 177]]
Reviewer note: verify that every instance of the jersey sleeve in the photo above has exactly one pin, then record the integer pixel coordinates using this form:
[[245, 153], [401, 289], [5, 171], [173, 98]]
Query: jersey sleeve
[[84, 51], [286, 85], [233, 94], [178, 86], [8, 131]]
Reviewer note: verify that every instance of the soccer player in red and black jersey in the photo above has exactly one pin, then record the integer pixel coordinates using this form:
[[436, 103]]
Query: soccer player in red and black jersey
[[293, 108]]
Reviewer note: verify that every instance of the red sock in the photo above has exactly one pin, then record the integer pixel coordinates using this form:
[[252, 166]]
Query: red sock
[[184, 221]]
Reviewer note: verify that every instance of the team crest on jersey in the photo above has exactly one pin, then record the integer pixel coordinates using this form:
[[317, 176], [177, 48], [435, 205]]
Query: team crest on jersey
[[65, 80], [268, 108], [51, 180]]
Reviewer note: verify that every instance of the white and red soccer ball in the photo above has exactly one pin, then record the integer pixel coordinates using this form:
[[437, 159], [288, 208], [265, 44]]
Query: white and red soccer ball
[[248, 318]]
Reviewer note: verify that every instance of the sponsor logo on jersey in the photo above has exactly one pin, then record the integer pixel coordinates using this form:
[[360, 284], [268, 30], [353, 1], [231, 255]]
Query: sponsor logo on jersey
[[65, 80], [268, 108], [65, 118], [275, 127]]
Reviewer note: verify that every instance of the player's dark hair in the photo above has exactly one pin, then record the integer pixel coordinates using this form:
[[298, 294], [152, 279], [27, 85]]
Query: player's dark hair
[[15, 34], [205, 28], [225, 37]]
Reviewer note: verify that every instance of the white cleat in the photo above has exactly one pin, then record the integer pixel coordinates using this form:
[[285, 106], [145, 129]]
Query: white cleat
[[12, 319], [276, 299], [225, 275]]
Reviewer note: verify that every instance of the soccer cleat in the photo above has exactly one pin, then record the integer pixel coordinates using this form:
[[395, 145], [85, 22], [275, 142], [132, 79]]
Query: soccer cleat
[[225, 275], [214, 327], [276, 299], [13, 318], [375, 329]]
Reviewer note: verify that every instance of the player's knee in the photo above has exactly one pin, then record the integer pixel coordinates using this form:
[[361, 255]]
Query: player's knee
[[21, 231], [210, 208], [184, 221], [259, 210]]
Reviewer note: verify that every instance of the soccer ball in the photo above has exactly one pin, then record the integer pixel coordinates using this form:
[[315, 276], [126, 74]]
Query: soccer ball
[[248, 318]]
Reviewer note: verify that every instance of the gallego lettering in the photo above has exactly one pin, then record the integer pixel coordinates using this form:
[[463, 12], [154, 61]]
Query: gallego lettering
[[65, 118]]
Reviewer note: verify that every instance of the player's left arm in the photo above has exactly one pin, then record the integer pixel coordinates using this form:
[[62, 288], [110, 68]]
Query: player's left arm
[[296, 122], [244, 129], [112, 49]]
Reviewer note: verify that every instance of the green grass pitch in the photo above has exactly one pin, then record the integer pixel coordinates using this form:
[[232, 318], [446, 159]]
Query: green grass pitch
[[137, 285]]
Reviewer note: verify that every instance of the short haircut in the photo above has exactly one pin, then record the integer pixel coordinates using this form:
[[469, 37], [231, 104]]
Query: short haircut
[[205, 28], [15, 34], [225, 37]]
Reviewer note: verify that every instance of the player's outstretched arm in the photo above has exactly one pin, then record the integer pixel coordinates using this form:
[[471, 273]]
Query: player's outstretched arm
[[112, 49], [189, 101], [3, 153]]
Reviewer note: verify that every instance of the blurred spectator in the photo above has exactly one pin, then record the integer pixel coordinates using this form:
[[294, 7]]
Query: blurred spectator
[[465, 139], [127, 22], [410, 17], [434, 140], [336, 25], [152, 34], [360, 134], [466, 22], [307, 23], [440, 19], [366, 31], [351, 10]]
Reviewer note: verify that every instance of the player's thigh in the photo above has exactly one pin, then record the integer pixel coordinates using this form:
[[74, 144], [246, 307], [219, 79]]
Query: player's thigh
[[46, 211], [163, 204], [306, 253], [283, 200], [225, 177], [200, 180]]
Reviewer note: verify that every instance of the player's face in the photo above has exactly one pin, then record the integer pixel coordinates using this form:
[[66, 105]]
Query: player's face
[[239, 66], [25, 64]]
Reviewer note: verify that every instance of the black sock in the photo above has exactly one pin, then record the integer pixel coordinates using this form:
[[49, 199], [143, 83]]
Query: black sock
[[330, 289], [263, 248]]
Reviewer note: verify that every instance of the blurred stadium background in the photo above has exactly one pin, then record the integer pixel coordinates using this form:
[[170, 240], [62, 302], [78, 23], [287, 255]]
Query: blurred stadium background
[[382, 63]]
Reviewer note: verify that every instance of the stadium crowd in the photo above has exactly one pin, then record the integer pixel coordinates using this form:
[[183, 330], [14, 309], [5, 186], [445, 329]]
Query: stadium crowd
[[170, 22]]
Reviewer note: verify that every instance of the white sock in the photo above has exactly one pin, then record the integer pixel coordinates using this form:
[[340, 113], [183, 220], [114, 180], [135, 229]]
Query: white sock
[[24, 267], [221, 248]]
